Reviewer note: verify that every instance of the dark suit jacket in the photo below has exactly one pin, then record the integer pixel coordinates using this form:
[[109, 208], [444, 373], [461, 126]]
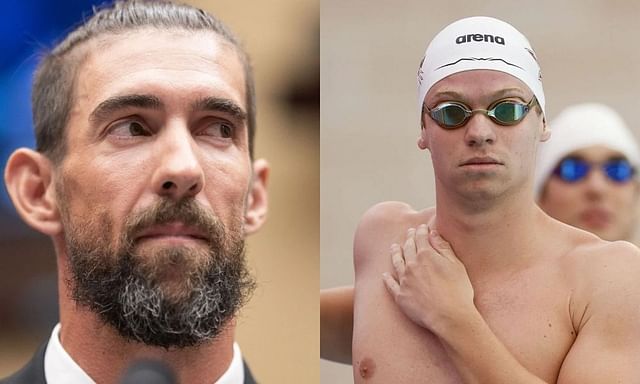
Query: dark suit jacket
[[33, 372]]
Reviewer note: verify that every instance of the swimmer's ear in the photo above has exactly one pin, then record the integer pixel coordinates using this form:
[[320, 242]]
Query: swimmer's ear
[[257, 200], [30, 183], [546, 131], [423, 143]]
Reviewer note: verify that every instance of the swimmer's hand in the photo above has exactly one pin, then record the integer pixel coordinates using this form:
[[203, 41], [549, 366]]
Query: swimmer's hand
[[429, 284]]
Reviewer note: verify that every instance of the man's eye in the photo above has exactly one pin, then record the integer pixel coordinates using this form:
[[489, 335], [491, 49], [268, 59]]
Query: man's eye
[[219, 129], [129, 128]]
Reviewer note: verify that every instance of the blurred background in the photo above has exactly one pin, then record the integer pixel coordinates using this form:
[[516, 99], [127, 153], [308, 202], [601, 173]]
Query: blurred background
[[280, 323], [370, 51]]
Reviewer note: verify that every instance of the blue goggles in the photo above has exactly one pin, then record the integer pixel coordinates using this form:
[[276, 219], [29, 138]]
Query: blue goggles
[[572, 169]]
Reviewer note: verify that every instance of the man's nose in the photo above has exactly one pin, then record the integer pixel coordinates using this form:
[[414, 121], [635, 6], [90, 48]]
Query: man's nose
[[479, 130], [179, 173], [596, 183]]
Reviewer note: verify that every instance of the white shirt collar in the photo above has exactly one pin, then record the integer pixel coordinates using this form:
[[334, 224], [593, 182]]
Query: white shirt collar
[[235, 373], [59, 367]]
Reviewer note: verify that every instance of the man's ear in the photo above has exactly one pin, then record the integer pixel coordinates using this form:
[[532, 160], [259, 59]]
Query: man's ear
[[257, 201], [546, 131], [423, 143], [29, 180]]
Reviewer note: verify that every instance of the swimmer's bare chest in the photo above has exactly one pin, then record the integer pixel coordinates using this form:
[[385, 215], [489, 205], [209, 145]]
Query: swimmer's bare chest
[[527, 312]]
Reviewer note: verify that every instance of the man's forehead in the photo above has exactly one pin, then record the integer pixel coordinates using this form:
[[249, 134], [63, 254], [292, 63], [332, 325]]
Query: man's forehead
[[597, 153], [479, 84], [172, 58], [161, 43], [151, 34]]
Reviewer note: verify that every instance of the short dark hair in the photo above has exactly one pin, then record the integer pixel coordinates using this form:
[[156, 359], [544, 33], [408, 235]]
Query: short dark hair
[[55, 77]]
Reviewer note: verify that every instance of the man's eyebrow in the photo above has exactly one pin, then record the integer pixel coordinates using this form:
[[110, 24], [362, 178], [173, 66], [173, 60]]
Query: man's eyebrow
[[516, 92], [447, 95], [453, 95], [115, 103], [216, 104]]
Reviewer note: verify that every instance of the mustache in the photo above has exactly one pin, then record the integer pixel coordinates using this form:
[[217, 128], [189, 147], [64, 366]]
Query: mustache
[[165, 211]]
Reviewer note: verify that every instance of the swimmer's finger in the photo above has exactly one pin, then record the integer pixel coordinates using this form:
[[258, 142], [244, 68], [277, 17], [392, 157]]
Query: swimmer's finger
[[441, 245], [409, 248], [422, 238], [397, 260], [392, 285]]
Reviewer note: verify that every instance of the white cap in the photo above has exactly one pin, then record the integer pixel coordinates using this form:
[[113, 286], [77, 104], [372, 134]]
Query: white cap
[[582, 126], [479, 43]]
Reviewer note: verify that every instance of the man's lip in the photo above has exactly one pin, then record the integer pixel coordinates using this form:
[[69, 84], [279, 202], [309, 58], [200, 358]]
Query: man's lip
[[596, 217], [172, 230], [480, 160]]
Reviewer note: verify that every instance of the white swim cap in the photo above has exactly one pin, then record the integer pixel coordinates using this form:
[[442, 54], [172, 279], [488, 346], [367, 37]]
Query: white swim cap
[[582, 126], [479, 43]]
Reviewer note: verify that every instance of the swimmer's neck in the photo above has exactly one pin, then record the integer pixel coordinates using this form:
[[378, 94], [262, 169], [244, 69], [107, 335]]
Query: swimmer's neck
[[497, 239]]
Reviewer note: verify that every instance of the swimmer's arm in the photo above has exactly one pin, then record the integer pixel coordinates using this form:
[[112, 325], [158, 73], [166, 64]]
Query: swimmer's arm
[[429, 275], [336, 324], [607, 346]]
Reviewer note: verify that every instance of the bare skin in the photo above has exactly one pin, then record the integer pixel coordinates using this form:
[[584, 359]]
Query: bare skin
[[177, 148], [567, 202], [336, 324], [515, 296]]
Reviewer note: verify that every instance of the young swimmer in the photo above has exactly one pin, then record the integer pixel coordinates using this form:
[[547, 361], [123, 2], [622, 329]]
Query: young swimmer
[[602, 199], [514, 296], [586, 174]]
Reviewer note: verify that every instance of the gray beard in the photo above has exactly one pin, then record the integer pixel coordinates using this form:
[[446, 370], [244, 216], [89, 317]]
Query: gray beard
[[133, 297]]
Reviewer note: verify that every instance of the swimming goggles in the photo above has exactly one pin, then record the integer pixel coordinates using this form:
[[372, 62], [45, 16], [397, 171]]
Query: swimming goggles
[[453, 114], [573, 169]]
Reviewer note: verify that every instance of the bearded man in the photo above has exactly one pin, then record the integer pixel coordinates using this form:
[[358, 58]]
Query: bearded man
[[144, 179]]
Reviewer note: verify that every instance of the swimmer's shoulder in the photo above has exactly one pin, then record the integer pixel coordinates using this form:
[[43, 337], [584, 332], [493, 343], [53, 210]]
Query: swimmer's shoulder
[[386, 223], [604, 277], [586, 249], [390, 215], [582, 249], [584, 257], [594, 256]]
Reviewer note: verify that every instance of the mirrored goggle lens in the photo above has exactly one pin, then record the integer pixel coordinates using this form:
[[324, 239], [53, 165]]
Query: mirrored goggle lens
[[508, 112], [573, 170], [450, 115], [619, 171]]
